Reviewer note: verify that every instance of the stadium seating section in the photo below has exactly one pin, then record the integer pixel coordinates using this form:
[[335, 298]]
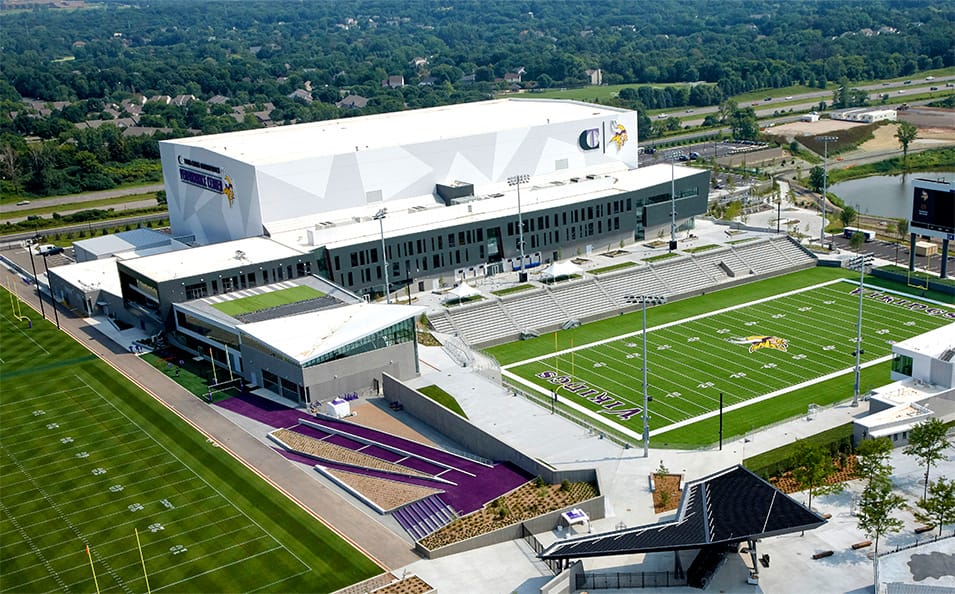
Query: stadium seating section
[[597, 296]]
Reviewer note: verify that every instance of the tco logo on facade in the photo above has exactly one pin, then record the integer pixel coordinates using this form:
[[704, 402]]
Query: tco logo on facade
[[589, 140]]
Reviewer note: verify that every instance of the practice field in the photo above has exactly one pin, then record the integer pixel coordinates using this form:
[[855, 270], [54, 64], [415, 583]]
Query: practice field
[[751, 352], [88, 459]]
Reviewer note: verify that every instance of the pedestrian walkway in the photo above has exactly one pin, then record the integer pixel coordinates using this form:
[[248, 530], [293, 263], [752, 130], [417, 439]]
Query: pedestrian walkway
[[132, 340]]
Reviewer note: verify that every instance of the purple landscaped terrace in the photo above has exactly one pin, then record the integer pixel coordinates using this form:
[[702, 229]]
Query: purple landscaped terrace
[[475, 484]]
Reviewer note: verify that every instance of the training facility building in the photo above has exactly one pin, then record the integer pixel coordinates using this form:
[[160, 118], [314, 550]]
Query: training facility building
[[306, 339], [418, 197], [152, 284], [923, 370]]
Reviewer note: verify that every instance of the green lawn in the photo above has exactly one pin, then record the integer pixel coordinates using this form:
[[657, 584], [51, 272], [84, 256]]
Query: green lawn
[[695, 353], [87, 458], [253, 303]]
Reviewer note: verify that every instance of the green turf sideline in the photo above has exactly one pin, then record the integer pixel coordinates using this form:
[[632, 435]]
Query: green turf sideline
[[228, 519], [821, 337], [668, 324], [520, 350]]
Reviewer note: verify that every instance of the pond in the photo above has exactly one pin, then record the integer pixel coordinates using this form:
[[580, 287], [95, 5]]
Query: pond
[[884, 195]]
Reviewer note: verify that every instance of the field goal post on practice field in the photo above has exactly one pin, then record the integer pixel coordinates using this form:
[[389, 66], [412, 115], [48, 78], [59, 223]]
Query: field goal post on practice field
[[16, 304], [219, 387]]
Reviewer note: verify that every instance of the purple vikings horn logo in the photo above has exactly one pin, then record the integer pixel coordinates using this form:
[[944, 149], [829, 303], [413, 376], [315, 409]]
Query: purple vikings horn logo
[[762, 342], [619, 137]]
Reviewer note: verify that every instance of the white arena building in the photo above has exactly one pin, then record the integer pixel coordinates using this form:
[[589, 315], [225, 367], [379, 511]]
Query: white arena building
[[440, 176]]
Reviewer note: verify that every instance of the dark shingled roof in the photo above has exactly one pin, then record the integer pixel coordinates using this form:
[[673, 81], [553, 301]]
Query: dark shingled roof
[[729, 506]]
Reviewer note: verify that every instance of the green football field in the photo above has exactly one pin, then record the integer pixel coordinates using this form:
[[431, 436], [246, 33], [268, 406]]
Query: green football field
[[758, 353], [89, 459]]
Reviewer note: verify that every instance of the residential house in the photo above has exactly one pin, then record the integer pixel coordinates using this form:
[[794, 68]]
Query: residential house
[[301, 94], [394, 82], [352, 102]]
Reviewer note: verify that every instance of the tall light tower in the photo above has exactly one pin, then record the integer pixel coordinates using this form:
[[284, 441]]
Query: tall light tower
[[380, 217], [517, 180], [859, 261], [825, 182], [644, 300], [672, 158]]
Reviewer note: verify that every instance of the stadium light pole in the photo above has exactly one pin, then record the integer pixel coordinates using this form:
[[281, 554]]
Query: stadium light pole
[[672, 202], [380, 217], [36, 278], [517, 180], [56, 316], [644, 300], [861, 262], [825, 182]]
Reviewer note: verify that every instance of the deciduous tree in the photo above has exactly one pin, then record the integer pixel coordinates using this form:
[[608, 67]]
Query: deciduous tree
[[927, 442], [906, 134], [876, 508], [872, 458], [813, 468], [939, 507]]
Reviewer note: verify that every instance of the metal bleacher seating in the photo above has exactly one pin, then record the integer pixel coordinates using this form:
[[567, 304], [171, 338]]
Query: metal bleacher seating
[[531, 310], [483, 322], [598, 295], [682, 276], [774, 255], [441, 322], [630, 281], [722, 264], [582, 298]]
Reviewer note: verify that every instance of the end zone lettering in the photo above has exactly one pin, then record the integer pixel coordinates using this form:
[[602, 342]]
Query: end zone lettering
[[906, 303], [606, 402]]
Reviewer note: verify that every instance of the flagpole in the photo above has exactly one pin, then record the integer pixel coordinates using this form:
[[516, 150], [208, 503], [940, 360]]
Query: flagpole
[[142, 560], [93, 569]]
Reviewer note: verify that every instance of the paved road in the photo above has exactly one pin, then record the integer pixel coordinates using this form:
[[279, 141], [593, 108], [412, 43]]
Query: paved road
[[379, 543], [79, 198], [117, 207]]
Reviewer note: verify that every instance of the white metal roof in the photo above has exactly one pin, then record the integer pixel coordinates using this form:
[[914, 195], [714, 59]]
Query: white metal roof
[[210, 258], [125, 241], [933, 343], [424, 213], [333, 137], [327, 330], [91, 275]]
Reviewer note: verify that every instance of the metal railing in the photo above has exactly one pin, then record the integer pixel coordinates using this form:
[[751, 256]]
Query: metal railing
[[555, 565], [620, 580]]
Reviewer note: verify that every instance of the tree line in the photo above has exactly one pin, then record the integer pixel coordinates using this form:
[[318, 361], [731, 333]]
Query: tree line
[[259, 53]]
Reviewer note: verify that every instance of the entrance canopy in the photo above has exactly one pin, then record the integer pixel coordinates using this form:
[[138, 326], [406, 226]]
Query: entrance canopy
[[730, 506]]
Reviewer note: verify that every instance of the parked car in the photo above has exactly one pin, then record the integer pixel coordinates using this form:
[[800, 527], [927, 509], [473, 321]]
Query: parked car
[[47, 249]]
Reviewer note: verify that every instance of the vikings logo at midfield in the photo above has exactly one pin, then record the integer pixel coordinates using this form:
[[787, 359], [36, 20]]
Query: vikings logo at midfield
[[619, 137], [762, 342]]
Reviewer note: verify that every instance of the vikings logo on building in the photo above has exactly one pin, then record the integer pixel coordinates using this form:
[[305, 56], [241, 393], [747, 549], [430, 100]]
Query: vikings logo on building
[[762, 342], [229, 190], [619, 137]]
